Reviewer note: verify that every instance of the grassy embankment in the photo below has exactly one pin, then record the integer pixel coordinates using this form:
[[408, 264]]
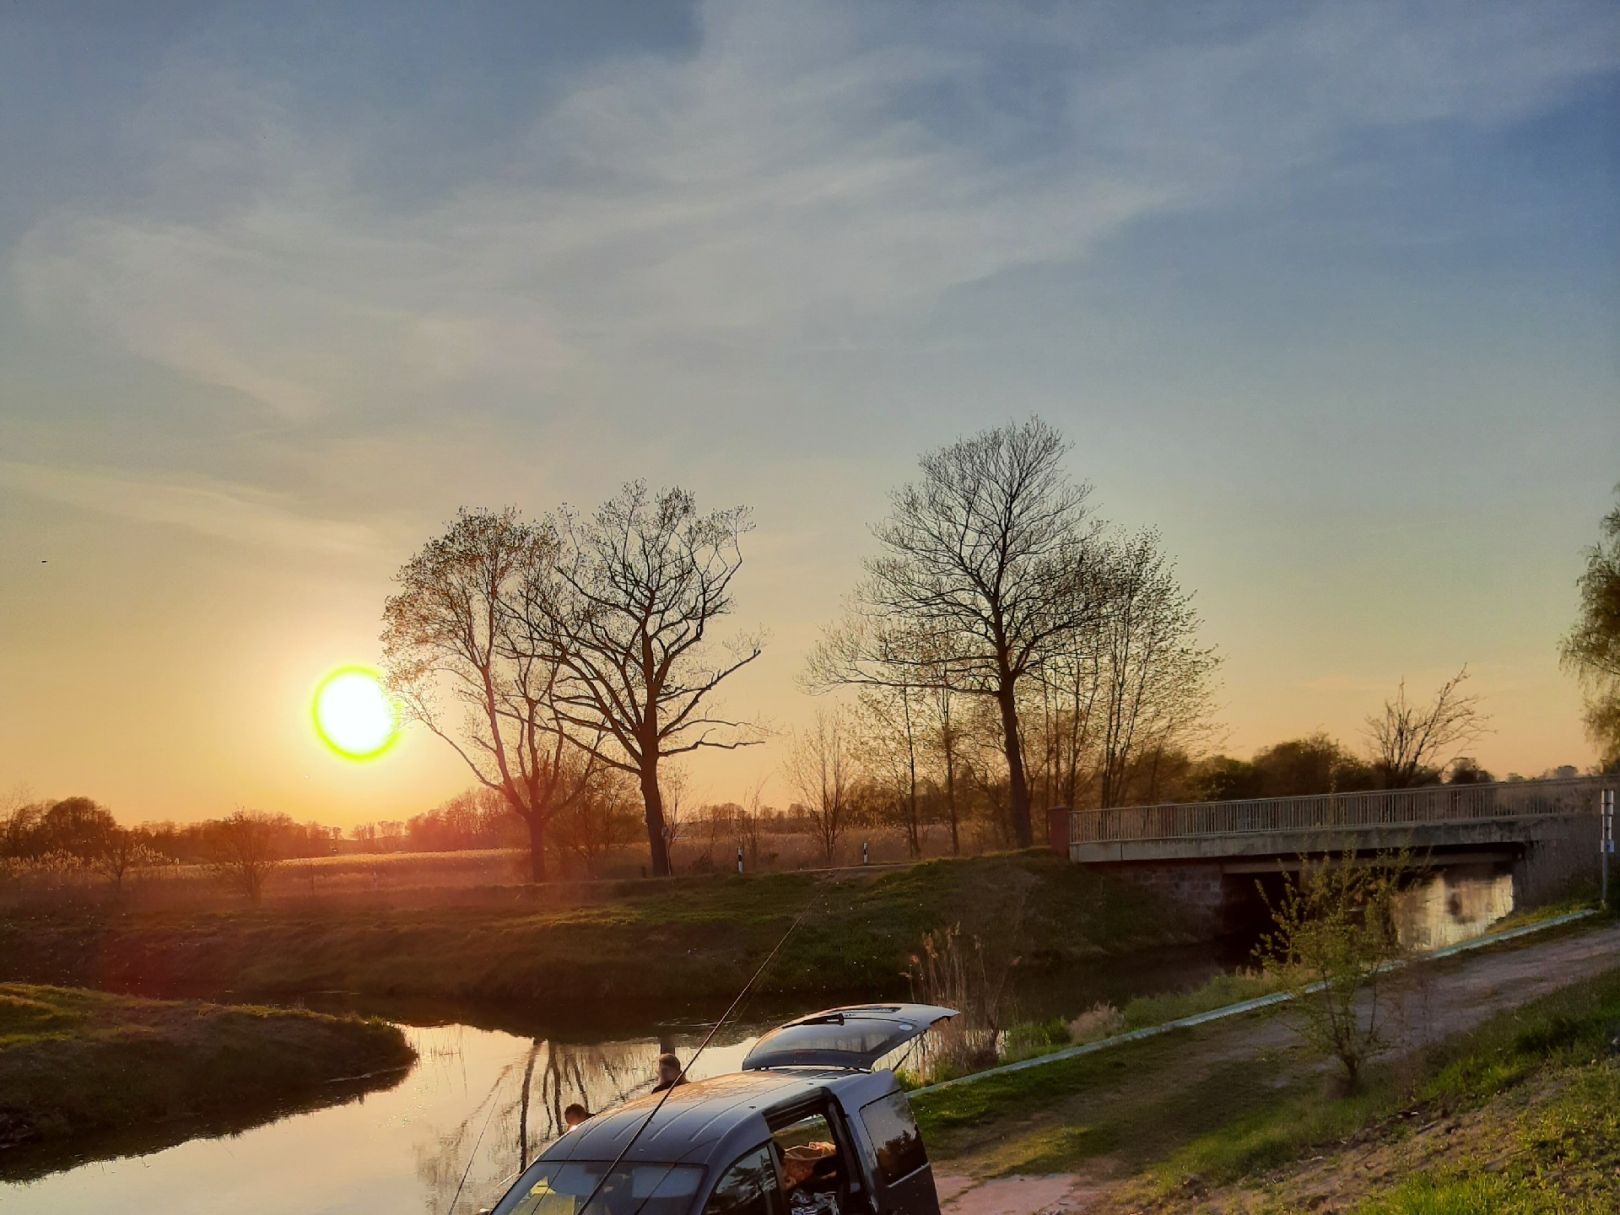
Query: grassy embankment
[[75, 1062], [1519, 1116], [678, 942]]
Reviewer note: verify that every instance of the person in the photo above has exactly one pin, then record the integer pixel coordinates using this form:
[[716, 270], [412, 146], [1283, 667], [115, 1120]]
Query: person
[[574, 1115], [810, 1178], [669, 1072]]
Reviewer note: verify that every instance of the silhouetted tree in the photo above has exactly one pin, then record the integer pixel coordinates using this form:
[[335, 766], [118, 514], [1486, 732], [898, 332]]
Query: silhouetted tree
[[1156, 678], [1413, 743], [819, 767], [455, 629], [243, 850], [626, 612], [988, 564]]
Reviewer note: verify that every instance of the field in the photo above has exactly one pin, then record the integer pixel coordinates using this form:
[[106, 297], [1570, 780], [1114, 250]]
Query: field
[[76, 1063], [423, 878], [603, 946]]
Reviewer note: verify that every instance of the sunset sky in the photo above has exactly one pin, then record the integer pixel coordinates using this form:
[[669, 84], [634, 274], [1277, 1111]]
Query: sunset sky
[[1328, 293]]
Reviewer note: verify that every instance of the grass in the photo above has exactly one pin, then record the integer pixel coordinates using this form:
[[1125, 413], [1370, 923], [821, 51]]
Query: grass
[[76, 1062], [1218, 992], [1561, 1156], [678, 943], [1184, 1116], [1569, 1029]]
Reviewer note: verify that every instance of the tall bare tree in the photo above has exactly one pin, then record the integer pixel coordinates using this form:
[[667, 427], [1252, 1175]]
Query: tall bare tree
[[890, 746], [1412, 743], [626, 613], [1157, 682], [454, 630], [988, 562], [819, 767]]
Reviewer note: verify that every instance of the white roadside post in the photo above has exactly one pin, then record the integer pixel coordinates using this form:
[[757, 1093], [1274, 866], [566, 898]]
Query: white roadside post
[[1606, 841]]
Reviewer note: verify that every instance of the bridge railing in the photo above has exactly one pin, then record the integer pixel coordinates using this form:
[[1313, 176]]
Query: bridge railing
[[1337, 811]]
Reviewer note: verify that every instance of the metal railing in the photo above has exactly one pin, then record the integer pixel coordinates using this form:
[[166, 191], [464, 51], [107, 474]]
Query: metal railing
[[1431, 804]]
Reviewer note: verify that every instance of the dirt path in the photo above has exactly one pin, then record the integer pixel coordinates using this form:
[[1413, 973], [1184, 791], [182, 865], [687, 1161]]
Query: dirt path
[[997, 1169]]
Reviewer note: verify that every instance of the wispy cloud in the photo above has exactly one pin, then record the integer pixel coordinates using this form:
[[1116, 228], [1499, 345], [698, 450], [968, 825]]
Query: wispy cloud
[[807, 173], [225, 511]]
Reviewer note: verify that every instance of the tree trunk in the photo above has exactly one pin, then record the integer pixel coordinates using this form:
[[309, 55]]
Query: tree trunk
[[537, 846], [1017, 783], [653, 798], [950, 799]]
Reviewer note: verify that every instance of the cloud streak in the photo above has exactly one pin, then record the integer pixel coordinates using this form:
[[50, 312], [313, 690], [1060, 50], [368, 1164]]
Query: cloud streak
[[218, 510], [804, 174]]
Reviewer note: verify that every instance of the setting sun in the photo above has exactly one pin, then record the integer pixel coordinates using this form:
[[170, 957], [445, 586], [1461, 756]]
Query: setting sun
[[354, 715]]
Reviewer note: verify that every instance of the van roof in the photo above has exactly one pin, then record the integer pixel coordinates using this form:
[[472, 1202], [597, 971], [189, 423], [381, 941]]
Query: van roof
[[712, 1120]]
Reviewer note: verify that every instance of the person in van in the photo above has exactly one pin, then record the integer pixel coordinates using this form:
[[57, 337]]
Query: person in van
[[810, 1178]]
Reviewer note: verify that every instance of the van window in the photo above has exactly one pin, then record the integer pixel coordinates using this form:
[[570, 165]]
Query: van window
[[748, 1187], [895, 1137]]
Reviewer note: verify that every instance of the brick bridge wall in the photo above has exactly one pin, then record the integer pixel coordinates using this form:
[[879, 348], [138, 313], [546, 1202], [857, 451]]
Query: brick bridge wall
[[1196, 887]]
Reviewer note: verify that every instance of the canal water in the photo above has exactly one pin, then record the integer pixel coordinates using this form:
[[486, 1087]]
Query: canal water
[[479, 1102]]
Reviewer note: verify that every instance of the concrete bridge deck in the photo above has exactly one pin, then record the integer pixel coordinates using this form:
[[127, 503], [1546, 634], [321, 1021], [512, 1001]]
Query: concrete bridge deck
[[1546, 831]]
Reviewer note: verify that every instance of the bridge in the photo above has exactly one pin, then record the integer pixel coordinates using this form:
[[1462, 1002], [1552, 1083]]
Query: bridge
[[1209, 855]]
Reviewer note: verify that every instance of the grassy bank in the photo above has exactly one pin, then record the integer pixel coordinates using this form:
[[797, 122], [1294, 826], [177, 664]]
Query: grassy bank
[[75, 1062], [1519, 1115], [678, 942]]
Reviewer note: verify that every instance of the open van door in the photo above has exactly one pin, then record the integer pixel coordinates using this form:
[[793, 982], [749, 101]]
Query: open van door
[[855, 1036]]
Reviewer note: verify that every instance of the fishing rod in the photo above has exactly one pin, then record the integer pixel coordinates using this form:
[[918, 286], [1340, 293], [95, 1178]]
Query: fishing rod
[[584, 1207]]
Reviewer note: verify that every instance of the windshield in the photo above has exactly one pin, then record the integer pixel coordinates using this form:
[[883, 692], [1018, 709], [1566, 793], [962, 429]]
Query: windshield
[[559, 1187]]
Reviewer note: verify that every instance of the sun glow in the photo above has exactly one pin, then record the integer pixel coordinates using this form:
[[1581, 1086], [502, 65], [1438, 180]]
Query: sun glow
[[354, 715]]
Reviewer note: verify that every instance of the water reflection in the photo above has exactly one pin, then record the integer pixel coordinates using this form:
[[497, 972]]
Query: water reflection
[[1452, 905], [481, 1103], [476, 1106]]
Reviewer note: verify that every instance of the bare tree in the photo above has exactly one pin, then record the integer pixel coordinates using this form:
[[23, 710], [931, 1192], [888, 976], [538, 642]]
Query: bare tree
[[243, 850], [673, 790], [627, 614], [1410, 742], [946, 740], [889, 746], [989, 563], [1157, 680], [819, 767], [455, 629], [121, 851], [606, 818], [749, 822]]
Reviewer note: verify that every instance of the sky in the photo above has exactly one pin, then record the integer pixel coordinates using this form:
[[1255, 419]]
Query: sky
[[1328, 293]]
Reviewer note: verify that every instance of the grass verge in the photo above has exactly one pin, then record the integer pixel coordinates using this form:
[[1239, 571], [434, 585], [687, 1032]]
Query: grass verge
[[76, 1062], [1572, 1031], [677, 943]]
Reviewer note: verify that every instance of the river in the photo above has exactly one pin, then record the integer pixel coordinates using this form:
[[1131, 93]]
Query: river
[[481, 1101]]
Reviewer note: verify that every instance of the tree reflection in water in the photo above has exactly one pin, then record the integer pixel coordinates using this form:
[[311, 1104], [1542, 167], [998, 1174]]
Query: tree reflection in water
[[522, 1112]]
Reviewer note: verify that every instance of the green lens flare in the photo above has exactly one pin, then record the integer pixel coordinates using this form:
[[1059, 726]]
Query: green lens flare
[[354, 714]]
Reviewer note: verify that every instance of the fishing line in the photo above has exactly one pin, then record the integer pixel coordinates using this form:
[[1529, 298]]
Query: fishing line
[[472, 1156], [584, 1207]]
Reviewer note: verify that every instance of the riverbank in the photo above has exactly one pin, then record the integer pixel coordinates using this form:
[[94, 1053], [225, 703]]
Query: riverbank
[[1492, 1095], [76, 1063], [674, 944]]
